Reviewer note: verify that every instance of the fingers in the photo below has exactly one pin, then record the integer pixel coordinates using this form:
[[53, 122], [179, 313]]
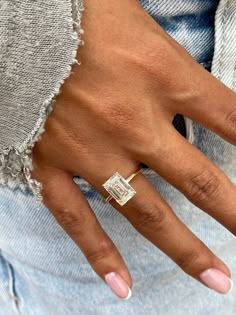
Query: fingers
[[212, 104], [202, 182], [149, 213], [72, 211]]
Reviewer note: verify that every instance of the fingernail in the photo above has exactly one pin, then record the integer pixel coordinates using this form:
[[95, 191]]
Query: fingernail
[[217, 280], [118, 285]]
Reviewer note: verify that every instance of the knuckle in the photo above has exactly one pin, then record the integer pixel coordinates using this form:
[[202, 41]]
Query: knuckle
[[146, 62], [72, 221], [150, 146], [145, 59], [188, 261], [159, 72], [231, 124], [143, 149], [105, 249], [203, 187], [118, 113], [122, 118], [151, 218]]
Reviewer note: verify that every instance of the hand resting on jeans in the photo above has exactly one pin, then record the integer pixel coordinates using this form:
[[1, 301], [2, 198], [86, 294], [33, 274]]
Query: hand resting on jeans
[[114, 112]]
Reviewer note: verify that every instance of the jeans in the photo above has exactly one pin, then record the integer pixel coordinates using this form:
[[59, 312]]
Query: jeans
[[43, 272]]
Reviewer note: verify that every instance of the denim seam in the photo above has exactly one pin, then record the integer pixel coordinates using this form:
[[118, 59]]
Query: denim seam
[[16, 163], [223, 41], [234, 78], [12, 293], [189, 129]]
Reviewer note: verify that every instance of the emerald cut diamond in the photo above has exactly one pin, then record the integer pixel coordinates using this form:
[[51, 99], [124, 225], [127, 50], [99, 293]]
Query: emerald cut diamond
[[119, 188]]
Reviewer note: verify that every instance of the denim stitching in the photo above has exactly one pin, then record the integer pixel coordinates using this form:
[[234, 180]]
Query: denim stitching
[[223, 42], [234, 78], [189, 130], [12, 293]]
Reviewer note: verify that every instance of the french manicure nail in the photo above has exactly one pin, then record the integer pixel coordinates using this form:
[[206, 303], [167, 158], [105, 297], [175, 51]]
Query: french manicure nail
[[217, 280], [118, 285]]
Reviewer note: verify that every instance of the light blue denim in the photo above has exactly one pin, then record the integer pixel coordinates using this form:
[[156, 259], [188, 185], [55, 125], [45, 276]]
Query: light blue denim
[[42, 271]]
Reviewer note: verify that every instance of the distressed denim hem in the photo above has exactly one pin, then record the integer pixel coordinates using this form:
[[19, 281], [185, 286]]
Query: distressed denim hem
[[16, 162]]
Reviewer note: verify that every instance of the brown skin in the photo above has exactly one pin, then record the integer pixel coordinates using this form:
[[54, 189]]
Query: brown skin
[[116, 111]]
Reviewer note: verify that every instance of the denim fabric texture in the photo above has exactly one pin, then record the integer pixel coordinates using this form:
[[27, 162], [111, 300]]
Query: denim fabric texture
[[42, 271], [190, 22]]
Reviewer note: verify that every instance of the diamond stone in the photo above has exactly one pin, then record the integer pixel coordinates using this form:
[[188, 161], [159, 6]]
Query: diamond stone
[[118, 187]]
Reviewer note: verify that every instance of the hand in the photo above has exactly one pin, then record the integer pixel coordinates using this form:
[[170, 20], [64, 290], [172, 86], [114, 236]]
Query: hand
[[116, 111]]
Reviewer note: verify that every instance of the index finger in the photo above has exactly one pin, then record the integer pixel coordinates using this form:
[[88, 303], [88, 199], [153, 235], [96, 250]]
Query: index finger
[[210, 103]]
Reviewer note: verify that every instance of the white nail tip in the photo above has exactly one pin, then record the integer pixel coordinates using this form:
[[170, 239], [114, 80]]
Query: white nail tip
[[128, 296], [232, 286]]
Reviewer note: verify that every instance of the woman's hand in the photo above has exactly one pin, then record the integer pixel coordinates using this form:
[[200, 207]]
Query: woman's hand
[[116, 111]]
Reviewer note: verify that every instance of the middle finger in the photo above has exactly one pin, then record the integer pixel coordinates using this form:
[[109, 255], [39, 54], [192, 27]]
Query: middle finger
[[199, 179]]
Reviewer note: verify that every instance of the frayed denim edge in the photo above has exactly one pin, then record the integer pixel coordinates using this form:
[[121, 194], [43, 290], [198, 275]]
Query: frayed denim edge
[[16, 163]]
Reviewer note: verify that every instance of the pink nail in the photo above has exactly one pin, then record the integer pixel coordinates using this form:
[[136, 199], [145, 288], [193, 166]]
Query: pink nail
[[217, 280], [118, 285]]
